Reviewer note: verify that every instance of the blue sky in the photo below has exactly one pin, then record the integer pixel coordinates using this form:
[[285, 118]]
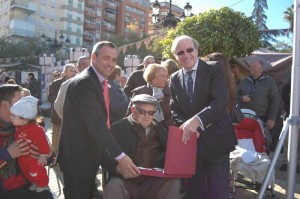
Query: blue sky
[[274, 13]]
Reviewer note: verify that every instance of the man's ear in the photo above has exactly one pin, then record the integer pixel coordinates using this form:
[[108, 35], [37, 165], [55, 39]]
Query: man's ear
[[132, 109]]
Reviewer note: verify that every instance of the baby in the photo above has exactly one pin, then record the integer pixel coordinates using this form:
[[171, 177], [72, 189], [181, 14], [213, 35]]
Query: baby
[[23, 117]]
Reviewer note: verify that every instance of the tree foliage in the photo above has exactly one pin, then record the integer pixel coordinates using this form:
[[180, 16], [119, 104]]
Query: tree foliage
[[26, 50], [259, 17], [226, 31], [289, 16]]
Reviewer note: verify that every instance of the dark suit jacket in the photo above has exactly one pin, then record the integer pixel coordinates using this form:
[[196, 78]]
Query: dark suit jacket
[[209, 103], [135, 80], [84, 133], [126, 136]]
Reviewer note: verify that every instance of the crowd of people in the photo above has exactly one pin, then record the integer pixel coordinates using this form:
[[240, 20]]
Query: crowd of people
[[99, 122]]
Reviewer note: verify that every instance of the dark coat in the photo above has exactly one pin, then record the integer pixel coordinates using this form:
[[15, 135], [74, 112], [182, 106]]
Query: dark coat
[[118, 101], [135, 80], [209, 103], [126, 136], [84, 132]]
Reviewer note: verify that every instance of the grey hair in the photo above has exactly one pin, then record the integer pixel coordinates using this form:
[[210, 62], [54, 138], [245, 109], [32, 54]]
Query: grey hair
[[68, 66], [180, 38]]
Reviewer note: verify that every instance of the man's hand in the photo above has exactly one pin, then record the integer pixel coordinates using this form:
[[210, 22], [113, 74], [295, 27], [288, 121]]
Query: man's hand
[[270, 124], [189, 127], [127, 168], [18, 148]]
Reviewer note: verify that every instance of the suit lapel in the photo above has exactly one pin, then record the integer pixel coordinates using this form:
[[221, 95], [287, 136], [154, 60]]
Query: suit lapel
[[199, 82]]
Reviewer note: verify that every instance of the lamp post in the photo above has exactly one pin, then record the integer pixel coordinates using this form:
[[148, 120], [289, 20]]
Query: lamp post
[[53, 44], [170, 20]]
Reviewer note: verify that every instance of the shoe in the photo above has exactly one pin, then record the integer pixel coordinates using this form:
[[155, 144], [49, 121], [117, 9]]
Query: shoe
[[40, 189], [283, 167], [32, 187]]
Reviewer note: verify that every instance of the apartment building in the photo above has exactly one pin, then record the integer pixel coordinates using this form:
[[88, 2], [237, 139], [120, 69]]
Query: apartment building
[[33, 18], [82, 22], [104, 19]]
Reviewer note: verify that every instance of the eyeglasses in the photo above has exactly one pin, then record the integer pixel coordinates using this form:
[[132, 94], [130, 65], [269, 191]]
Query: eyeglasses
[[144, 112], [188, 50]]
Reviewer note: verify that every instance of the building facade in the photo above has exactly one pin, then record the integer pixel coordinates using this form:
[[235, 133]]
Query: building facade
[[105, 19], [154, 29]]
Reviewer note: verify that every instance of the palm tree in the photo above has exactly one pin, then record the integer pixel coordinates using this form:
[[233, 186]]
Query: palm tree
[[259, 17], [289, 16]]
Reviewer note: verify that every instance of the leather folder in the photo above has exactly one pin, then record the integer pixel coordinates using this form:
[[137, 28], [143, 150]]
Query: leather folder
[[180, 161]]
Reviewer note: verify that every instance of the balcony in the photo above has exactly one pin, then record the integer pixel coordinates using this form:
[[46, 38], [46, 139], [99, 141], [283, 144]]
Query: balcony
[[88, 38], [21, 28], [110, 28], [89, 25], [29, 7], [91, 3], [112, 5], [111, 17], [90, 13]]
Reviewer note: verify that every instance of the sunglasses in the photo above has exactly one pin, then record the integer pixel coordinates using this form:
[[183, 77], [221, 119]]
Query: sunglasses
[[144, 112], [188, 50], [56, 75]]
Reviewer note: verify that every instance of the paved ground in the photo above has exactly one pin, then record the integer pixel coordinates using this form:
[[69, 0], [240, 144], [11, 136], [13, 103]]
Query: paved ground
[[241, 193]]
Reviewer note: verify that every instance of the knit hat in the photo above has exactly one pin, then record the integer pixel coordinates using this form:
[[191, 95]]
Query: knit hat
[[26, 107]]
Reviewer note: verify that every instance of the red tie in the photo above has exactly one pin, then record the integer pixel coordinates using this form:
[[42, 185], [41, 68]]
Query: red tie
[[106, 99]]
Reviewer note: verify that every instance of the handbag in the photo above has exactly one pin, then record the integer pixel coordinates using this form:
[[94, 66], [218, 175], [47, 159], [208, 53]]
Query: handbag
[[236, 114]]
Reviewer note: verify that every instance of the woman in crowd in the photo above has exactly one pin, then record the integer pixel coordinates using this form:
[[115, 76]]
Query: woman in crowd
[[156, 77], [118, 99]]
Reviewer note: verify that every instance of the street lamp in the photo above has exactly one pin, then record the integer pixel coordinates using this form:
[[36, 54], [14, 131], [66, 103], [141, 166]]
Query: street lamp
[[54, 44], [169, 20]]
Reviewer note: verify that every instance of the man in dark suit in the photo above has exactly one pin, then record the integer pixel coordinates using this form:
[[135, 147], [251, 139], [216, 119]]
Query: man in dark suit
[[198, 105], [136, 78], [84, 133]]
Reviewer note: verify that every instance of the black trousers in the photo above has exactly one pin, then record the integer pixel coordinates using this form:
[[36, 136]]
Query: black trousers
[[211, 180], [77, 188]]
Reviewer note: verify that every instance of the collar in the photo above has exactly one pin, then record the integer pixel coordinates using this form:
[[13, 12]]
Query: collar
[[100, 77], [195, 67]]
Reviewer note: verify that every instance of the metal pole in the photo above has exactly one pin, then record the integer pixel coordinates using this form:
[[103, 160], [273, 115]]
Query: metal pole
[[274, 159], [295, 105], [294, 120]]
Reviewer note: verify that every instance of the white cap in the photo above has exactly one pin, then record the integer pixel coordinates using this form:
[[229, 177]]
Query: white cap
[[26, 107]]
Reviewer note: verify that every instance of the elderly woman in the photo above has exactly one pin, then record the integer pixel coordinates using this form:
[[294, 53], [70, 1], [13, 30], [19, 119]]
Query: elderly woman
[[156, 77], [117, 98]]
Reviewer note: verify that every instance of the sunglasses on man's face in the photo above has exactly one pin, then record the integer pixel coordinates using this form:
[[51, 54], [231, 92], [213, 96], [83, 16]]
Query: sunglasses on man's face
[[144, 112], [181, 52]]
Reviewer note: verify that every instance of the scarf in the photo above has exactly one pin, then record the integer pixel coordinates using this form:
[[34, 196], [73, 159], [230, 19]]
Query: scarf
[[8, 137], [159, 95]]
